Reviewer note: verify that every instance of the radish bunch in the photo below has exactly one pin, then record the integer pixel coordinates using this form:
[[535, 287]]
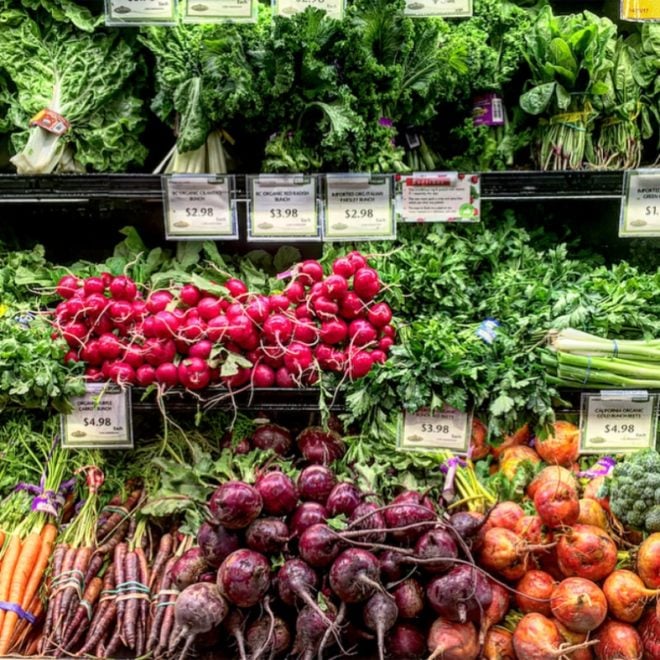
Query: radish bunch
[[184, 337]]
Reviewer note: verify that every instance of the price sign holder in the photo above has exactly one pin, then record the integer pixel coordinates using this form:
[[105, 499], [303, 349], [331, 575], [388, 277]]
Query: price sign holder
[[358, 207], [220, 11], [434, 431], [438, 197], [333, 8], [447, 8], [618, 421], [640, 210], [640, 10], [101, 419], [140, 12], [199, 206], [284, 207]]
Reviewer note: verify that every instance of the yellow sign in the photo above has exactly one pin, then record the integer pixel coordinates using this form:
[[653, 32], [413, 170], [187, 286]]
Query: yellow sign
[[640, 10]]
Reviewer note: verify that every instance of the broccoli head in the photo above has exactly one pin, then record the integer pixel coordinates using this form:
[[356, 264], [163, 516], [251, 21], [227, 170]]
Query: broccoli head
[[633, 490]]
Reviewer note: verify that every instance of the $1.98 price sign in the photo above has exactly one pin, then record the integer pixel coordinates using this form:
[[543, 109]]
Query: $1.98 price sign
[[612, 424], [442, 429], [100, 419]]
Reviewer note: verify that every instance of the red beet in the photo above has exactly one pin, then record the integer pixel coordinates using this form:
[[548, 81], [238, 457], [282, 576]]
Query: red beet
[[354, 575], [235, 504], [344, 498], [319, 446], [306, 515], [380, 614], [368, 516], [406, 642], [244, 577], [436, 544], [315, 483], [273, 436], [411, 508], [409, 598], [268, 638], [268, 536], [278, 493], [216, 543], [319, 546], [188, 568], [461, 595]]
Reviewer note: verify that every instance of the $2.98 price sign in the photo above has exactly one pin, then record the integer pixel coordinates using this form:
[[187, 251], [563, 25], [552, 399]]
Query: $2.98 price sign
[[443, 429], [100, 419]]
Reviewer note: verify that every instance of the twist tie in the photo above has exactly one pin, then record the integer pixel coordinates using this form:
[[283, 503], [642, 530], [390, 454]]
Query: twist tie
[[588, 371], [17, 609], [167, 603], [88, 608], [615, 348]]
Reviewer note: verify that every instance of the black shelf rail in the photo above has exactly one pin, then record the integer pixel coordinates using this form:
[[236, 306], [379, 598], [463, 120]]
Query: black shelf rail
[[146, 188]]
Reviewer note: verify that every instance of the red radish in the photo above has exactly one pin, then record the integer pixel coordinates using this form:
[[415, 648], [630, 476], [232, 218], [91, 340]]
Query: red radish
[[133, 356], [343, 267], [627, 595], [505, 552], [237, 288], [194, 373], [649, 630], [91, 353], [361, 332], [618, 640], [316, 291], [461, 595], [409, 508], [359, 364], [389, 332], [257, 309], [409, 598], [298, 358], [71, 356], [202, 349], [379, 315], [579, 604], [436, 544], [380, 614], [244, 578], [306, 515], [272, 436], [587, 552], [378, 357], [305, 331], [533, 592], [279, 302], [188, 568], [93, 285], [367, 516], [344, 498], [648, 561], [241, 331], [235, 504], [192, 329], [268, 536], [498, 645], [67, 286], [554, 474], [319, 446], [335, 287], [216, 543], [562, 447], [198, 609], [123, 288], [295, 292], [366, 283], [218, 328], [351, 306], [268, 637], [237, 380], [357, 259], [284, 378], [122, 373], [158, 301], [557, 504], [406, 642], [453, 641], [145, 375], [315, 483], [189, 295], [209, 307], [158, 351], [325, 308], [93, 375], [263, 376], [333, 332], [74, 334], [278, 493], [319, 546], [354, 575], [277, 328], [121, 311], [310, 271], [109, 346], [592, 513], [504, 514]]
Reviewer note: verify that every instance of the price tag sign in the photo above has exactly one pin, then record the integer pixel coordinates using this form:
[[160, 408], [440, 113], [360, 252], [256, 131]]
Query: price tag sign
[[219, 11], [140, 12], [283, 207], [438, 197], [451, 8], [101, 419], [618, 424], [640, 211], [358, 206], [640, 10], [333, 8], [199, 207], [443, 429]]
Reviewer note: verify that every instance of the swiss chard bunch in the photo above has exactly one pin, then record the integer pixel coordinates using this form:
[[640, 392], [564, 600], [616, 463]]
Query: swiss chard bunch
[[569, 58]]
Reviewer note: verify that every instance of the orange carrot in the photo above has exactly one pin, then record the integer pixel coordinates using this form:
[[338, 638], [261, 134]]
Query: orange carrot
[[7, 572], [48, 536], [19, 580], [23, 629]]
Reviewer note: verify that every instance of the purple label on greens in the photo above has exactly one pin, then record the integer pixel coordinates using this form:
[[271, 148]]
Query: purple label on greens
[[488, 110]]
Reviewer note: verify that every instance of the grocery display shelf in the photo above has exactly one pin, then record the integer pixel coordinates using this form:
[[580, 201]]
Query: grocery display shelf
[[146, 188]]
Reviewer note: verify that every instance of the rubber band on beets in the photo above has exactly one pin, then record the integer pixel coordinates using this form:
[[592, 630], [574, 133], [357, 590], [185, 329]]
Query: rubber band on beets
[[17, 609]]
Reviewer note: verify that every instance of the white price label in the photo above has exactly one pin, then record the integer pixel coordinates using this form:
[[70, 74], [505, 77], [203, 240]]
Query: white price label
[[101, 419], [333, 8], [218, 11], [438, 197], [198, 206], [617, 425], [358, 207], [443, 429], [283, 206], [140, 12], [640, 211], [452, 8]]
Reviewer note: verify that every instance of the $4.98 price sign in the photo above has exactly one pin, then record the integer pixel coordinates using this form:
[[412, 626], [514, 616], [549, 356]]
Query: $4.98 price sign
[[442, 429], [101, 419], [618, 422]]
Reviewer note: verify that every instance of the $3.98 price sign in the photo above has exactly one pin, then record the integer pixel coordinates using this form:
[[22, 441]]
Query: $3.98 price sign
[[101, 419], [442, 429], [283, 213]]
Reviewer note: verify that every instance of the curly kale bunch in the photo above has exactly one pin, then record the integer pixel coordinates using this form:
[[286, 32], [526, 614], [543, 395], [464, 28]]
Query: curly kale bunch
[[634, 490]]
